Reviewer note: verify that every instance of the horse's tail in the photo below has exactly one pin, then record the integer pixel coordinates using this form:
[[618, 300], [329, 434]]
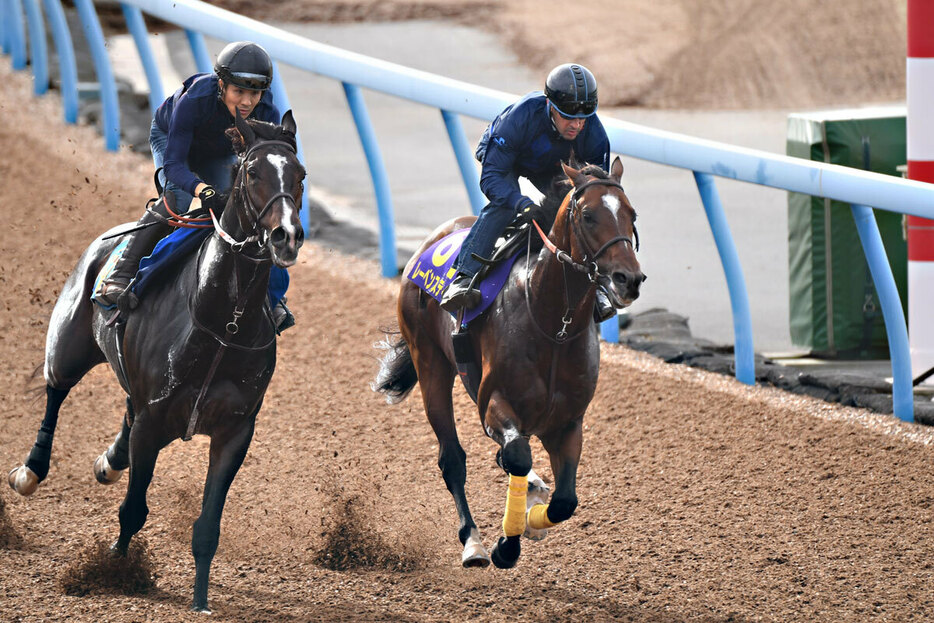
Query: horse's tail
[[397, 375]]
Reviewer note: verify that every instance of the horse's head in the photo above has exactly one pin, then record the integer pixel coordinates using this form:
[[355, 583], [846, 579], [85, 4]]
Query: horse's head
[[599, 223], [269, 185]]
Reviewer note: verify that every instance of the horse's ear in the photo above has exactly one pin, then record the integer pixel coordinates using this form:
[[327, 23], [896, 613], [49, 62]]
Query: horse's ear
[[244, 129], [288, 122], [616, 169], [573, 161], [577, 178]]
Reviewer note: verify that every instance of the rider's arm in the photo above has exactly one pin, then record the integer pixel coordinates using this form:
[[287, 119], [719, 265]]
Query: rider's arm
[[499, 179], [180, 133]]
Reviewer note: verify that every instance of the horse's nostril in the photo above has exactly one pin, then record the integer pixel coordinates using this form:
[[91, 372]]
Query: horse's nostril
[[277, 236], [644, 276], [300, 236]]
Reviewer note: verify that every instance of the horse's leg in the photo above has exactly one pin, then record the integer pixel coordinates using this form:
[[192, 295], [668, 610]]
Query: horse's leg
[[564, 451], [109, 466], [145, 444], [227, 453], [516, 459], [70, 352], [25, 479], [436, 380]]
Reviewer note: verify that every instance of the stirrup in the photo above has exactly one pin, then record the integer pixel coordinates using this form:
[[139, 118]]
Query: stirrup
[[110, 293], [603, 310], [282, 316]]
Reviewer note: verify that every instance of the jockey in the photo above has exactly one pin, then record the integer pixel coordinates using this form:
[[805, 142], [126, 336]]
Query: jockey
[[188, 142], [530, 138]]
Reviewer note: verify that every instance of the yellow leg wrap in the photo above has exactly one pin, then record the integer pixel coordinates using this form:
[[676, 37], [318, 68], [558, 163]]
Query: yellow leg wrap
[[514, 518], [538, 517]]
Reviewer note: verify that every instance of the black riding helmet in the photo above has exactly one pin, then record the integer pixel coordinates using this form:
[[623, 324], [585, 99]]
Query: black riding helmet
[[244, 64], [572, 89]]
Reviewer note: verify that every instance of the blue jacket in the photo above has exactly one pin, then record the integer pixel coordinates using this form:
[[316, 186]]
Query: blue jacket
[[195, 118], [523, 142]]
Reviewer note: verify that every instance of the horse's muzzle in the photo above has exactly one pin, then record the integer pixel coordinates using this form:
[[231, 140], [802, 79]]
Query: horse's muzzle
[[626, 286], [284, 243]]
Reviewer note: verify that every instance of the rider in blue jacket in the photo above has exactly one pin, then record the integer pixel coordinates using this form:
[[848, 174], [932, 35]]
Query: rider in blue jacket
[[188, 142], [530, 139]]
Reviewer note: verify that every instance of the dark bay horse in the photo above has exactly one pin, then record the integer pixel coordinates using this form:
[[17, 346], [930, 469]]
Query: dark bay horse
[[197, 354], [539, 352]]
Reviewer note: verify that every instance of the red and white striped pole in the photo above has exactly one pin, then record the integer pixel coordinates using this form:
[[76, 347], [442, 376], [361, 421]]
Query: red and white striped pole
[[920, 134]]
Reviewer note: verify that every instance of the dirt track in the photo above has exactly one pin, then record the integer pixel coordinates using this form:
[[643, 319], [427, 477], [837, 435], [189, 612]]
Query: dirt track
[[701, 499]]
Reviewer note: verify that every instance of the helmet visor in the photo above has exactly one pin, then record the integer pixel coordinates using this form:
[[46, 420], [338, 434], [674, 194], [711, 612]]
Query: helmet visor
[[576, 110], [254, 82]]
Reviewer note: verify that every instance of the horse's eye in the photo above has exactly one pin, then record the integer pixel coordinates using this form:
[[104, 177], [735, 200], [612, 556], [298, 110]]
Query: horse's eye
[[251, 171], [588, 217]]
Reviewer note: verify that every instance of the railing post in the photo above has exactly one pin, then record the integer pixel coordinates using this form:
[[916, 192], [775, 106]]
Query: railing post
[[387, 232], [892, 312], [200, 51], [105, 77], [67, 66], [137, 27], [465, 160], [739, 299], [281, 98], [38, 51], [15, 34]]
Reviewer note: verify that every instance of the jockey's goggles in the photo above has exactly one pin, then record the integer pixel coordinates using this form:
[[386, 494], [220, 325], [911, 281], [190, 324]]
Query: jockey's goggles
[[575, 110], [254, 82]]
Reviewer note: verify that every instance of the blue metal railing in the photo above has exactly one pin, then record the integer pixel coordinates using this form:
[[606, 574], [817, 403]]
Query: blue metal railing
[[705, 159]]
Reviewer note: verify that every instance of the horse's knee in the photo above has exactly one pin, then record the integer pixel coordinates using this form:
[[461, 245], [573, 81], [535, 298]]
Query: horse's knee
[[561, 509], [517, 457]]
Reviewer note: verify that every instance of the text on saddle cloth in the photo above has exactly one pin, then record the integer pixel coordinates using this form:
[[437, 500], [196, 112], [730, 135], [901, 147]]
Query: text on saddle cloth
[[434, 269]]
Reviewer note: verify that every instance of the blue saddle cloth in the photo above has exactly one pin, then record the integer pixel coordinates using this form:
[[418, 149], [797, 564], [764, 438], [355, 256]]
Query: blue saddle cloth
[[180, 244], [434, 269]]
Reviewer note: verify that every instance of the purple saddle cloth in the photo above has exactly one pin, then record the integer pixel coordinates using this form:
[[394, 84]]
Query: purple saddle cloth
[[434, 269]]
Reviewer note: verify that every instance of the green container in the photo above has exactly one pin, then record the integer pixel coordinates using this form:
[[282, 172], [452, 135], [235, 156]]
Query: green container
[[834, 308]]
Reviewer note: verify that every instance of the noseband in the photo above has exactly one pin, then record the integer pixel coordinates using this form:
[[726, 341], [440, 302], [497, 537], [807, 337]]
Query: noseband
[[238, 245]]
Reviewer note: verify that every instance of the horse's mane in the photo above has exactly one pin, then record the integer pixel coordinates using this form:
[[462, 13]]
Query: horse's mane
[[264, 131], [547, 211]]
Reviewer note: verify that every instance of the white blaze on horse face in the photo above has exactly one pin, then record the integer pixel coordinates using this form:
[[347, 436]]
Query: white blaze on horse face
[[612, 203], [279, 162]]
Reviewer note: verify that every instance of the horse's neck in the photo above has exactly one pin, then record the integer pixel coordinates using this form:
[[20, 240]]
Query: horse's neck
[[228, 280]]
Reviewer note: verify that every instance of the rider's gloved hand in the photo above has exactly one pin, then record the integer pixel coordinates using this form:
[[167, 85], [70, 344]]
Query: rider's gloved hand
[[525, 214], [209, 198]]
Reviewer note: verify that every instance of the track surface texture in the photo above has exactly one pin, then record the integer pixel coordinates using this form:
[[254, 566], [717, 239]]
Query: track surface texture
[[701, 499]]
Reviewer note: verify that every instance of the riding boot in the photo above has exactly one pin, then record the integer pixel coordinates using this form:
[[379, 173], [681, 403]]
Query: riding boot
[[602, 308], [460, 293], [282, 316], [140, 243]]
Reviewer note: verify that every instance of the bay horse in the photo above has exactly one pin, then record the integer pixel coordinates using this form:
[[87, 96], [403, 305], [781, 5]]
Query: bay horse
[[198, 353], [539, 352]]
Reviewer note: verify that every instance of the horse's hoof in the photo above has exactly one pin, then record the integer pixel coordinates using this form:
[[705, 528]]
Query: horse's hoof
[[23, 480], [475, 555], [201, 610], [104, 473], [535, 535], [505, 553]]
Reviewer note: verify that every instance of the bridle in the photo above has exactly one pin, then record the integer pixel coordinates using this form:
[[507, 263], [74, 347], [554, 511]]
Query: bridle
[[257, 215], [587, 265]]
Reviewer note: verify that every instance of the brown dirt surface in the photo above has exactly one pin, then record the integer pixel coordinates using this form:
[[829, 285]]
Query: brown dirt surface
[[700, 499], [729, 54]]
